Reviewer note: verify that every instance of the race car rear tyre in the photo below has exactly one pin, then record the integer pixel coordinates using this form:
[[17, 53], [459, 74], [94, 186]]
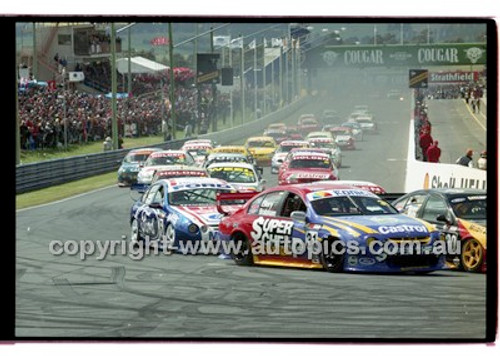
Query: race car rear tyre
[[243, 255], [331, 260], [472, 255]]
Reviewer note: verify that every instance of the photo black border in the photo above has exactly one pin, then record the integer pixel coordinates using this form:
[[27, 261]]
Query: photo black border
[[7, 28]]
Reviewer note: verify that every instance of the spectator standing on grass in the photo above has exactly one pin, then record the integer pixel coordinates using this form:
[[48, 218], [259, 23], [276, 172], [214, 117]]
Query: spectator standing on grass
[[466, 160], [433, 152], [481, 162], [425, 141]]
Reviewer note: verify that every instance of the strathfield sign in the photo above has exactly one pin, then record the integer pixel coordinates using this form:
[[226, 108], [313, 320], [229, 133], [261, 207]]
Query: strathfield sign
[[398, 55], [454, 77]]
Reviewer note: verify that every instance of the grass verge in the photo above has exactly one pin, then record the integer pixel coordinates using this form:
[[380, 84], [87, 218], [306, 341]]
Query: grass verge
[[65, 190]]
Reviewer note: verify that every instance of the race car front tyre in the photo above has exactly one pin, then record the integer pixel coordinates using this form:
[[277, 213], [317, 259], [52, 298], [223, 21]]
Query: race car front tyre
[[472, 255], [170, 238], [331, 259], [242, 253], [134, 231]]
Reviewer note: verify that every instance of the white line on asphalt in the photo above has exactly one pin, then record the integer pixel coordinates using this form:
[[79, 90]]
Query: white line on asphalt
[[65, 199], [474, 116]]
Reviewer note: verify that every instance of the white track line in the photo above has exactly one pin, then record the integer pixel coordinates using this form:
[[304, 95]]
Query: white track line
[[474, 116]]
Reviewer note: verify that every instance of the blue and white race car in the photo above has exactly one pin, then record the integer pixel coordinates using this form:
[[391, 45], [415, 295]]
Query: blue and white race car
[[331, 227], [173, 211]]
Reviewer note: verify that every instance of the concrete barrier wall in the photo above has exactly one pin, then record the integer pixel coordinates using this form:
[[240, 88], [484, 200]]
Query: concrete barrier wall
[[424, 175]]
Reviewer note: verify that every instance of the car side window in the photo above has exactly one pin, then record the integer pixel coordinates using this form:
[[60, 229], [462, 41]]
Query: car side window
[[151, 194], [401, 204], [159, 196], [255, 205], [413, 204], [271, 204], [292, 203], [435, 206]]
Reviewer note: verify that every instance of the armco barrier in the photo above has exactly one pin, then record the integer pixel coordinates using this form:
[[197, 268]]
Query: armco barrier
[[44, 174]]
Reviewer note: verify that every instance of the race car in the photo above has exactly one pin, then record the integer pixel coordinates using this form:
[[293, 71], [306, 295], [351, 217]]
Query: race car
[[202, 140], [293, 133], [160, 159], [242, 176], [236, 149], [132, 164], [343, 137], [372, 187], [330, 146], [199, 151], [319, 134], [279, 135], [367, 124], [225, 157], [305, 166], [335, 228], [262, 148], [357, 131], [169, 172], [330, 117], [277, 126], [173, 211], [460, 214], [282, 151], [308, 123]]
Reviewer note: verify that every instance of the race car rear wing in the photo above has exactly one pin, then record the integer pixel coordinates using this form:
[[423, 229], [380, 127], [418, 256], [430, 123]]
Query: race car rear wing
[[390, 197], [226, 200]]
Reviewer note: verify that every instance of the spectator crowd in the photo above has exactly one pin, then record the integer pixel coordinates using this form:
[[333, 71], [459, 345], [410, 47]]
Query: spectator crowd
[[89, 116]]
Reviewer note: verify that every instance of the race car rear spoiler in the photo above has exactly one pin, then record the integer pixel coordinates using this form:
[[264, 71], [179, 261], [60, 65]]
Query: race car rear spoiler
[[234, 199], [390, 197]]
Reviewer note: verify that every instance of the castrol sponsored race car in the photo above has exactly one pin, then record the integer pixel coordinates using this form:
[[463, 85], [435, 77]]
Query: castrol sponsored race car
[[161, 159], [305, 166], [460, 215], [132, 164], [282, 151], [173, 211], [335, 228]]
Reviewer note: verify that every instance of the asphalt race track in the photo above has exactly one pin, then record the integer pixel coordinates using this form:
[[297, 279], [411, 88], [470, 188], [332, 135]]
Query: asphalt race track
[[206, 297]]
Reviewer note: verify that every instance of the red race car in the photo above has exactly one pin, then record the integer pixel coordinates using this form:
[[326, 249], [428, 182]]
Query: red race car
[[305, 166]]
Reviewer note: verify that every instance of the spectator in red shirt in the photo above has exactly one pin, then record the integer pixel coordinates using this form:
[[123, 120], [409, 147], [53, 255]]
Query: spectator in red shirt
[[425, 141], [433, 152]]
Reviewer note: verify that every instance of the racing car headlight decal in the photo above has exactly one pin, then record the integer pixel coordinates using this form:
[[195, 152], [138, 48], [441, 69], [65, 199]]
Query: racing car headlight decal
[[193, 228], [204, 228]]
